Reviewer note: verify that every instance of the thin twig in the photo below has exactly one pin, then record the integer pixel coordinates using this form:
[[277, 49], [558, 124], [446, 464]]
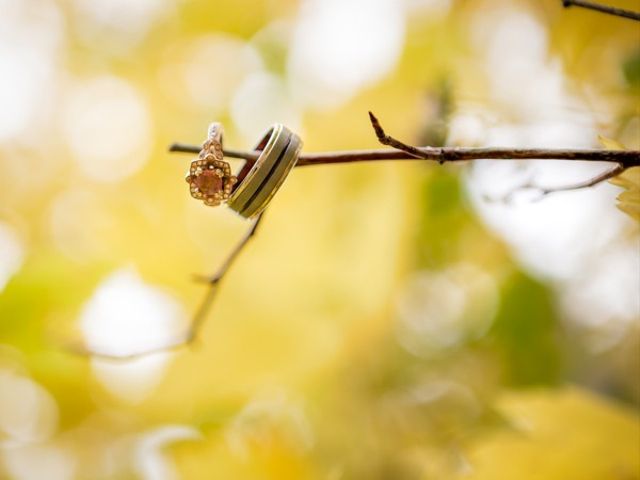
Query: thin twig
[[217, 277], [191, 335], [383, 138], [618, 12], [544, 191]]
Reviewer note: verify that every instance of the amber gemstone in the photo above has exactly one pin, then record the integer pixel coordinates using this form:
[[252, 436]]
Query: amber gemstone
[[209, 183]]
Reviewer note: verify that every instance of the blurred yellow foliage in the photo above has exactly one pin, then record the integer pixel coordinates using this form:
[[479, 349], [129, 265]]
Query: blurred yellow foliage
[[377, 326], [561, 434], [629, 200]]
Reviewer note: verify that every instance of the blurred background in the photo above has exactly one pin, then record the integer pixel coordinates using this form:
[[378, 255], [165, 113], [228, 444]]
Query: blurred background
[[393, 320]]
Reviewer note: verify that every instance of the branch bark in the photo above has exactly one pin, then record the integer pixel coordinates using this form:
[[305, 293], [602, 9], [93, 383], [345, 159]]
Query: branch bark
[[416, 152], [618, 12], [626, 158], [622, 159]]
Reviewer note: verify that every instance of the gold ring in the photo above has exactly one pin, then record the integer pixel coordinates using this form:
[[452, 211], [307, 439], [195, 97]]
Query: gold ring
[[210, 178], [279, 148]]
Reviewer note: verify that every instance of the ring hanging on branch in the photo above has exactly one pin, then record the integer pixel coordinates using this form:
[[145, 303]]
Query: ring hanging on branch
[[269, 163], [402, 151], [210, 178]]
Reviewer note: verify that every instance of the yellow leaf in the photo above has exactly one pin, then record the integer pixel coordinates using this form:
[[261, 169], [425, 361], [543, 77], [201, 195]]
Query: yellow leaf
[[560, 434], [628, 179], [629, 200], [610, 144]]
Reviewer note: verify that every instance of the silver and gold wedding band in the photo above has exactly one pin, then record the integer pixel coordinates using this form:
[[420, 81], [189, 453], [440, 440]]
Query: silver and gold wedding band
[[252, 174], [274, 181], [280, 150]]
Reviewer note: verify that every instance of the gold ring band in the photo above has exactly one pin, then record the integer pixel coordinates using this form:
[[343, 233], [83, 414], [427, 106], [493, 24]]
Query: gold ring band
[[280, 148]]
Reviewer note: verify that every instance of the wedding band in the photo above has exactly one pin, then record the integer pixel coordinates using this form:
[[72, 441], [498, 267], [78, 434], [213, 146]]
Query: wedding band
[[280, 148]]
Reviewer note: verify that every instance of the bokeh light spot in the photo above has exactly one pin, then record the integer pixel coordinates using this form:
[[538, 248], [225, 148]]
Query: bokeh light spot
[[150, 461], [439, 310], [28, 413], [125, 316], [118, 24], [341, 46], [12, 254], [108, 128], [205, 71], [30, 36], [261, 101], [39, 461]]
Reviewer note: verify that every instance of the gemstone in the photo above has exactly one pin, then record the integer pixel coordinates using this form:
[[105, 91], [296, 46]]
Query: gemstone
[[209, 183]]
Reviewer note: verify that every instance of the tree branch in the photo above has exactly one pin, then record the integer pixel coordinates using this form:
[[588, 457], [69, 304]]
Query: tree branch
[[626, 158], [542, 191], [618, 12], [402, 151]]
